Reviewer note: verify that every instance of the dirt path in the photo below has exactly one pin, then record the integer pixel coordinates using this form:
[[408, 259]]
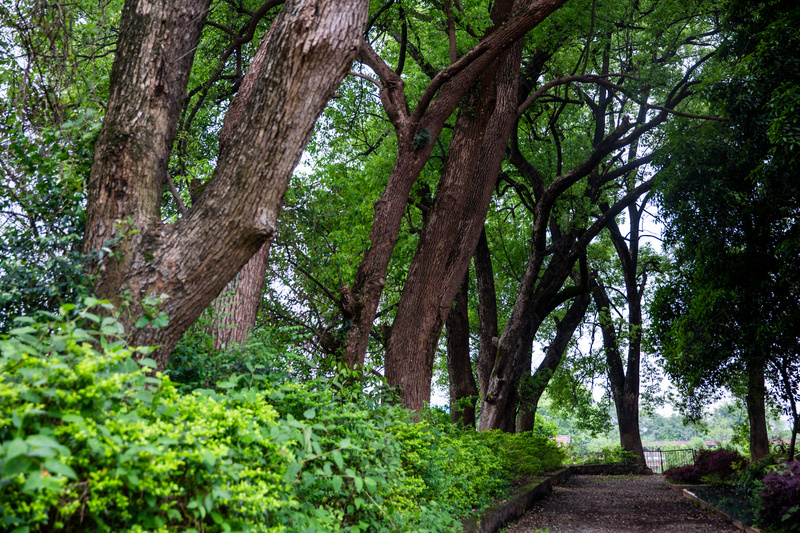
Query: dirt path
[[617, 504]]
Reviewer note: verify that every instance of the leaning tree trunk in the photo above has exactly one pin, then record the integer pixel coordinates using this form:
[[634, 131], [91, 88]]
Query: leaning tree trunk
[[453, 227], [435, 106], [463, 390], [311, 48], [235, 310]]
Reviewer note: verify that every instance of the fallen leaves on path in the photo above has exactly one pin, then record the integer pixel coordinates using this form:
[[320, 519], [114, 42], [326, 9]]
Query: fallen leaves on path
[[618, 504]]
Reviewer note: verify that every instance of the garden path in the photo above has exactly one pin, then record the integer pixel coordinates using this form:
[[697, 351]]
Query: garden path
[[618, 504]]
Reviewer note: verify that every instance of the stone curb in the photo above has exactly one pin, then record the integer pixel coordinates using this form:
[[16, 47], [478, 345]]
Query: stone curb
[[719, 512], [499, 515]]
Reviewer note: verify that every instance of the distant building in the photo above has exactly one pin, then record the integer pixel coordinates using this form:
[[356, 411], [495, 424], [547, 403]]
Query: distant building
[[656, 445], [563, 440]]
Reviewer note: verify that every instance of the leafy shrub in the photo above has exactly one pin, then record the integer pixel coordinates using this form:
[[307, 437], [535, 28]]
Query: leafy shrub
[[196, 364], [90, 441], [684, 474], [780, 499], [719, 465], [747, 481], [709, 466], [525, 454]]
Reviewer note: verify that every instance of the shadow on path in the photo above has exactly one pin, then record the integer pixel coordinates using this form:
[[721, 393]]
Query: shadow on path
[[618, 504]]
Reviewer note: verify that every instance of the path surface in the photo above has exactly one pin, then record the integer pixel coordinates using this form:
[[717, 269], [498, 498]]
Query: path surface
[[618, 504]]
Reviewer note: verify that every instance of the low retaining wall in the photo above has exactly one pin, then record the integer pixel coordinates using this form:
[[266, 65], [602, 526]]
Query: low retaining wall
[[497, 516], [719, 512]]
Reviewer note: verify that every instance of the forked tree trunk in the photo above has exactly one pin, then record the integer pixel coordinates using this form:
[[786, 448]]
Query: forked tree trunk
[[532, 388], [436, 105], [312, 46], [453, 225], [463, 390]]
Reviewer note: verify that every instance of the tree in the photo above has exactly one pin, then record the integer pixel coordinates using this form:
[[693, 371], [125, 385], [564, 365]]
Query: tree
[[732, 201], [568, 213], [310, 50], [53, 74]]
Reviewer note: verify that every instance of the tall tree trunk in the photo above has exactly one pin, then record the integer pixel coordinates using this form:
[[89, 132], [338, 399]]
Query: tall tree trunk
[[420, 313], [454, 224], [756, 409], [312, 46], [149, 76], [624, 388], [487, 312], [533, 387], [463, 390], [435, 106]]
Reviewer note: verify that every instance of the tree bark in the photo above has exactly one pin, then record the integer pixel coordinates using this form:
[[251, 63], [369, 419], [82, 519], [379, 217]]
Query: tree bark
[[311, 48], [533, 387], [463, 390], [235, 310], [756, 409], [154, 55], [487, 312]]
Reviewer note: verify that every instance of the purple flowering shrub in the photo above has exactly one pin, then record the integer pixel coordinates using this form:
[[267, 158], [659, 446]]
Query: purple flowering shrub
[[780, 499], [684, 474], [719, 464], [709, 465]]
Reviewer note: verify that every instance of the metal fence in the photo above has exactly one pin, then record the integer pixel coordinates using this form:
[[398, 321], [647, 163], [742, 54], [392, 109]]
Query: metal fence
[[660, 460]]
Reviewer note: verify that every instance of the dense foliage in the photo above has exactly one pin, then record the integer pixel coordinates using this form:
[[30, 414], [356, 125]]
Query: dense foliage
[[780, 499], [731, 200], [709, 466], [91, 440]]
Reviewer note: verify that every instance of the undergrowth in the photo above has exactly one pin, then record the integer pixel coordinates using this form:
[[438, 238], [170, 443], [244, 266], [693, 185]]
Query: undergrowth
[[92, 439]]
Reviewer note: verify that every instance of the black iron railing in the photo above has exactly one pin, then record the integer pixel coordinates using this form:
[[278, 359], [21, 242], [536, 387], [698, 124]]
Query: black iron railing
[[661, 460]]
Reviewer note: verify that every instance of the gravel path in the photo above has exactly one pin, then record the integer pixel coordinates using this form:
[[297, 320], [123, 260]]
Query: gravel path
[[617, 504]]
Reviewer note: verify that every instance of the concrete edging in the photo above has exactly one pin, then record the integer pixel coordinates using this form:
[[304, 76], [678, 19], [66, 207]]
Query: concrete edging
[[515, 507], [719, 512]]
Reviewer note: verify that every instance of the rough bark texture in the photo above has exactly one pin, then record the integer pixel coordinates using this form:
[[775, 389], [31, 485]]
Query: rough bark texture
[[455, 221], [487, 311], [420, 313], [154, 55], [756, 410], [311, 48], [236, 308], [533, 387], [463, 390], [437, 103]]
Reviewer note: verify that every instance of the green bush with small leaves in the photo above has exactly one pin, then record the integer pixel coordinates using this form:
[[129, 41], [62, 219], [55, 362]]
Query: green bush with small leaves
[[91, 440]]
